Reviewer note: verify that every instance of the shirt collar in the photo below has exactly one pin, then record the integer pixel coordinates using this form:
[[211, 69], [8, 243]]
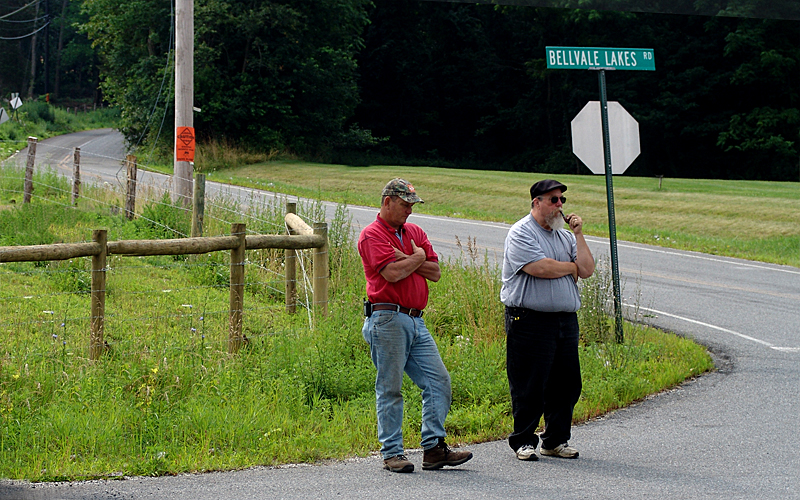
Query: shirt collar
[[390, 228], [534, 221]]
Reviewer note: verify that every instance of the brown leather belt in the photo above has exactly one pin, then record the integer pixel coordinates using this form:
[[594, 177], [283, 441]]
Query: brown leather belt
[[414, 313]]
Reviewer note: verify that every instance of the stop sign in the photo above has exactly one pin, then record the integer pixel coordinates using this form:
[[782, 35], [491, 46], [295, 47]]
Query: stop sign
[[587, 137]]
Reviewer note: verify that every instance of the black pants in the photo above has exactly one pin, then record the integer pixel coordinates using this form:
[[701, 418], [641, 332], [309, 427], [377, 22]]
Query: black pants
[[544, 374]]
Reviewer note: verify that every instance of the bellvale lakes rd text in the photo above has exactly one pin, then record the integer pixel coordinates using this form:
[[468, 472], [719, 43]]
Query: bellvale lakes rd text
[[600, 58]]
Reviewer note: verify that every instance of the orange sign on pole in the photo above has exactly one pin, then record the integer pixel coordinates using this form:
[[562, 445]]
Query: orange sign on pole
[[184, 144]]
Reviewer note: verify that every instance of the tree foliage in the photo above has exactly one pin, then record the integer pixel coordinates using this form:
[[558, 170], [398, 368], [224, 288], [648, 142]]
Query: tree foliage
[[272, 73], [43, 33], [467, 85], [455, 84]]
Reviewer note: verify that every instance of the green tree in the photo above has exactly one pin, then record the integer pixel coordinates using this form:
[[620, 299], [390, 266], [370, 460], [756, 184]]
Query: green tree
[[76, 66], [467, 85], [433, 79], [66, 66], [134, 41], [17, 25], [272, 73], [766, 125]]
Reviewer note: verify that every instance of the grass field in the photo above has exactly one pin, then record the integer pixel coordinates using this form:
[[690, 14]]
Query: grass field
[[748, 219]]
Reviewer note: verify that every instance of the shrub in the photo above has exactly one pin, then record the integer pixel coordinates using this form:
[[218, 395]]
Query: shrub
[[39, 111]]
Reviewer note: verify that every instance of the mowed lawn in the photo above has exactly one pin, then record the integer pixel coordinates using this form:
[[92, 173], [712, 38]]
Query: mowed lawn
[[757, 220]]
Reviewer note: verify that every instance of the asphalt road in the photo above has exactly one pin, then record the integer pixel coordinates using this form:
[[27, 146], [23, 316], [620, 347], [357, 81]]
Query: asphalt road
[[729, 434]]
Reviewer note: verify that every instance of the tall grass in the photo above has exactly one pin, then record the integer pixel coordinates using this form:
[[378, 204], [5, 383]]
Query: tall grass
[[211, 155], [167, 397]]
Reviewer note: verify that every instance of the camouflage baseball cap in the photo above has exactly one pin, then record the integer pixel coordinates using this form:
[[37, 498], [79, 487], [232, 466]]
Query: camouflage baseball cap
[[403, 189]]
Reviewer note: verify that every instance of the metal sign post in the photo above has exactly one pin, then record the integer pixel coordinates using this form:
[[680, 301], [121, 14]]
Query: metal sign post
[[15, 103], [612, 224], [602, 59]]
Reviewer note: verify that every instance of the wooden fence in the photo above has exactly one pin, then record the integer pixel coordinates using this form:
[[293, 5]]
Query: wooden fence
[[238, 242]]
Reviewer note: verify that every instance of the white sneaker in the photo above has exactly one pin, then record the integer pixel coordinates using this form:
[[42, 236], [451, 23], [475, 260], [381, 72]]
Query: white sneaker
[[527, 452], [561, 451]]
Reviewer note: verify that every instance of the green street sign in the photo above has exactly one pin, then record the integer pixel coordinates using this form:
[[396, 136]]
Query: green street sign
[[600, 58]]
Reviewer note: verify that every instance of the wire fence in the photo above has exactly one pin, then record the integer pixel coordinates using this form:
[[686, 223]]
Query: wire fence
[[177, 304], [152, 189]]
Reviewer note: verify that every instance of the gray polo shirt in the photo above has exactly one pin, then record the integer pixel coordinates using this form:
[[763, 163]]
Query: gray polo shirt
[[527, 242]]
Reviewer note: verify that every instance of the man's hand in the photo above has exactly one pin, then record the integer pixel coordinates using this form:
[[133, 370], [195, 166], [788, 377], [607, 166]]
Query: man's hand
[[407, 264], [584, 261], [575, 223], [417, 250], [400, 255]]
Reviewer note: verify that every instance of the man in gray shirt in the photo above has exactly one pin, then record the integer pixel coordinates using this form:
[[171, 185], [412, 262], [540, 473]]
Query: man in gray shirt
[[541, 266]]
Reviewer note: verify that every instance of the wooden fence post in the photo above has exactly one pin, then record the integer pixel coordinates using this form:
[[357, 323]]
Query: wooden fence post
[[76, 175], [130, 198], [28, 187], [290, 267], [237, 289], [320, 263], [198, 204], [237, 243], [96, 342]]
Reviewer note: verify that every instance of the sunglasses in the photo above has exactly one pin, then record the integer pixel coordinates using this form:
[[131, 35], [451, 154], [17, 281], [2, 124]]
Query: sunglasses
[[555, 199]]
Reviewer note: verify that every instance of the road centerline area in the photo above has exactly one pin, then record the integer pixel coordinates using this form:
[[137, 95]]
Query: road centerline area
[[791, 296]]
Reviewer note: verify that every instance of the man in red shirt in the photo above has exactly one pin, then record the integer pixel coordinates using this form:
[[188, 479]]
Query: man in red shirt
[[398, 262]]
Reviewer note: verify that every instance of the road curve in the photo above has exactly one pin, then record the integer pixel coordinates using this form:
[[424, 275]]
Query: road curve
[[728, 434]]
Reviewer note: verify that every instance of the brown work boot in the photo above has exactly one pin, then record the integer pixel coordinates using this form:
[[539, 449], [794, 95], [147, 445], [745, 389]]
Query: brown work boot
[[398, 463], [441, 455]]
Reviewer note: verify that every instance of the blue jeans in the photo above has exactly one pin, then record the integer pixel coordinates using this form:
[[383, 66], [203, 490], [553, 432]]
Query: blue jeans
[[544, 374], [399, 343]]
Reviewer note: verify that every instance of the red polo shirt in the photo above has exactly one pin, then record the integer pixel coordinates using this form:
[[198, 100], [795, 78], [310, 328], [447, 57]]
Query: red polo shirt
[[376, 246]]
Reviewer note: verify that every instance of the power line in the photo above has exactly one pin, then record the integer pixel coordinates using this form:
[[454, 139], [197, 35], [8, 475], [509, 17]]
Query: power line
[[163, 79], [25, 20], [20, 9], [26, 36]]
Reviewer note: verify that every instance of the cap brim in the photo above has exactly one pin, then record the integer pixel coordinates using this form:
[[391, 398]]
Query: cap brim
[[411, 198]]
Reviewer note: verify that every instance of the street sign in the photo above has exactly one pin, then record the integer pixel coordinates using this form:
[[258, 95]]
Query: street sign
[[600, 58], [16, 102], [184, 144], [587, 137], [586, 148], [3, 115]]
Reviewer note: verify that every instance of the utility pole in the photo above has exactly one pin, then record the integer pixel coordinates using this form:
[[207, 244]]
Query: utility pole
[[57, 83], [33, 55], [46, 46], [184, 94]]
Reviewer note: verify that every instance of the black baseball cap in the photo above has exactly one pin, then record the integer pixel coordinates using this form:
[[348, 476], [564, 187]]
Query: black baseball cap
[[544, 186]]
